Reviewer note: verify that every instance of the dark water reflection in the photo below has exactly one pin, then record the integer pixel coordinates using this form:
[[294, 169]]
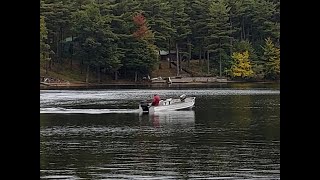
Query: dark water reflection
[[226, 136]]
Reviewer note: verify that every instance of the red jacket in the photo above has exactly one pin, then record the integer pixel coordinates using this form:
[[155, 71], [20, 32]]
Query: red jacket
[[156, 100]]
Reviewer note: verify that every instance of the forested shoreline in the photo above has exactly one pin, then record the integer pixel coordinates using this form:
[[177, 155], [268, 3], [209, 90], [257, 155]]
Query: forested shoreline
[[238, 39]]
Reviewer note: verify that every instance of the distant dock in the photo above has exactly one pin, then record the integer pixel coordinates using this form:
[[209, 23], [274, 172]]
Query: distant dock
[[189, 80]]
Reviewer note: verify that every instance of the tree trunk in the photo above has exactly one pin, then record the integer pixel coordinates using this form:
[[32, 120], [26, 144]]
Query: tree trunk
[[200, 57], [180, 65], [169, 55], [189, 58], [243, 29], [252, 36], [116, 75], [231, 36], [61, 45], [81, 66], [99, 74], [251, 32], [57, 55], [177, 53], [135, 76], [208, 61], [46, 66], [160, 60], [204, 58], [50, 63], [71, 53], [87, 74], [220, 56]]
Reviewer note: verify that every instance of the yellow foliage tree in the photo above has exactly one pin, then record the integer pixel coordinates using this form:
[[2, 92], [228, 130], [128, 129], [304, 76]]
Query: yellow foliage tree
[[241, 66]]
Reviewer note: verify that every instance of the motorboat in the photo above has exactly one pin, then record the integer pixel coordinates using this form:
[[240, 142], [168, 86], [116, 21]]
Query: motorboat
[[170, 104]]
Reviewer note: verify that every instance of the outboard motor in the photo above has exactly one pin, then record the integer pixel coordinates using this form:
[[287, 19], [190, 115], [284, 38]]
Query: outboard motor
[[183, 97], [145, 106]]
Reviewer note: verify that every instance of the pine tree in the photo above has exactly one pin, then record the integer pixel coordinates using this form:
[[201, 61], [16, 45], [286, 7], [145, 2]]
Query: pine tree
[[265, 22], [95, 39], [57, 16], [143, 53], [199, 25], [271, 57], [219, 33], [157, 12], [44, 47], [181, 29]]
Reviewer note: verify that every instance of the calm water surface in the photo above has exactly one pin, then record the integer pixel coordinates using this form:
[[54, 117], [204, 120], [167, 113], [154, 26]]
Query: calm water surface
[[231, 133]]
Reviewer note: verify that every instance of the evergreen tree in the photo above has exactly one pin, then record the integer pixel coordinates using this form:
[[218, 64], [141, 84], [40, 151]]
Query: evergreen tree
[[181, 29], [122, 12], [219, 32], [265, 22], [57, 16], [95, 39], [199, 19], [44, 47], [107, 37], [143, 53], [271, 57], [157, 12]]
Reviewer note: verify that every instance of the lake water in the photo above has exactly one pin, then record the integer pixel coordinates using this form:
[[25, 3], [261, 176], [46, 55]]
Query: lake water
[[232, 132]]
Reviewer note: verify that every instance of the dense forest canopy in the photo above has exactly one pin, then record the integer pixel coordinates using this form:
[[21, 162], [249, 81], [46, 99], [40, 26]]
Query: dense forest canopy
[[123, 38]]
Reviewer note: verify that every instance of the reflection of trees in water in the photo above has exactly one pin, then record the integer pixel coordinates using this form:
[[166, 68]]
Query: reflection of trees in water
[[241, 111], [256, 115], [250, 85], [164, 141], [267, 117], [73, 142], [43, 150], [235, 127]]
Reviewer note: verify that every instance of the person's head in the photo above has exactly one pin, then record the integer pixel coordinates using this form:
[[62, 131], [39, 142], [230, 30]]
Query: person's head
[[155, 94]]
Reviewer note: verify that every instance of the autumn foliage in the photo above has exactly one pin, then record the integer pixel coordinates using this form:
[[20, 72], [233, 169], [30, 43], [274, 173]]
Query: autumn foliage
[[143, 31], [241, 65]]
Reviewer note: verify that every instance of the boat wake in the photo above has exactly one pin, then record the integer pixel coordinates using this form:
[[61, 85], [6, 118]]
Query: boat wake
[[59, 110]]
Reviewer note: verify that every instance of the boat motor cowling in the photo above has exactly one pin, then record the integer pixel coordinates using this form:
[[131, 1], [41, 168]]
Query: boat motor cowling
[[144, 105], [183, 97]]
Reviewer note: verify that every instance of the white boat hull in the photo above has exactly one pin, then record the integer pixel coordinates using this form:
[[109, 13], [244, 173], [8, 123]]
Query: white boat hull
[[170, 105]]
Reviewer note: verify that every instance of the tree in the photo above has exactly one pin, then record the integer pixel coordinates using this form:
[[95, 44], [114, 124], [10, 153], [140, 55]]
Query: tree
[[265, 20], [143, 31], [199, 19], [158, 14], [219, 33], [241, 66], [181, 28], [57, 16], [246, 45], [44, 47], [140, 58], [122, 12], [271, 58], [143, 53], [95, 39], [117, 36]]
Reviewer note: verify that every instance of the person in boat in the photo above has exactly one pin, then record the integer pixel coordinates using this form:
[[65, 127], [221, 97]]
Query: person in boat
[[156, 100]]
